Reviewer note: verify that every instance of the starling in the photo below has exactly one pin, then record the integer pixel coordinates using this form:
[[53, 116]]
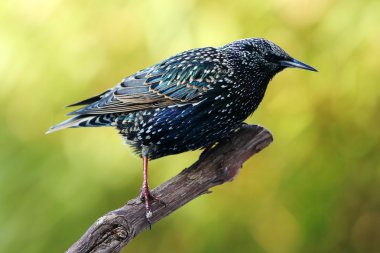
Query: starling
[[186, 102]]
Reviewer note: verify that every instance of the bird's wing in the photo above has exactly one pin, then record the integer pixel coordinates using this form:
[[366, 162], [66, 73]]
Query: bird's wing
[[183, 78]]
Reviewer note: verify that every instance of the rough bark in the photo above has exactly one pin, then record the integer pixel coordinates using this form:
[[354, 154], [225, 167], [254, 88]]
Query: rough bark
[[113, 231]]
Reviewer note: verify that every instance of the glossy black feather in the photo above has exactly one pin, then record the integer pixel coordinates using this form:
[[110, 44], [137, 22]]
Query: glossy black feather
[[188, 101]]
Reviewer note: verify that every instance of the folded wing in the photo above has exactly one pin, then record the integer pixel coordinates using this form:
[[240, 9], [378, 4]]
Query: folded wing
[[183, 78]]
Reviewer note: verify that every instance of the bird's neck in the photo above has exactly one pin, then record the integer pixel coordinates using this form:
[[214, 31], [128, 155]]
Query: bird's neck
[[249, 86]]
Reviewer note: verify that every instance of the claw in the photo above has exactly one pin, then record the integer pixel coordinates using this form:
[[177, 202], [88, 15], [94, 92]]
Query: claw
[[148, 215], [146, 196]]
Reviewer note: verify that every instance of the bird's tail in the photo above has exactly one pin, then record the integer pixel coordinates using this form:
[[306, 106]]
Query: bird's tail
[[84, 121]]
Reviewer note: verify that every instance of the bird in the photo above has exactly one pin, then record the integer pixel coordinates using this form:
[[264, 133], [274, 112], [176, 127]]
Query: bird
[[186, 102]]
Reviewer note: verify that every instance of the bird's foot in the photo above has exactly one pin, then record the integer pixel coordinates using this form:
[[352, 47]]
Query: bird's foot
[[146, 196], [150, 196]]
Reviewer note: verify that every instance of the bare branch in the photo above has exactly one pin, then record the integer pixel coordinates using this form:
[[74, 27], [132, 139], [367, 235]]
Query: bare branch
[[221, 164]]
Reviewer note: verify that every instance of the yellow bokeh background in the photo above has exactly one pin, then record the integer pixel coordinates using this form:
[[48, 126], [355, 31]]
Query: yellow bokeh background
[[315, 189]]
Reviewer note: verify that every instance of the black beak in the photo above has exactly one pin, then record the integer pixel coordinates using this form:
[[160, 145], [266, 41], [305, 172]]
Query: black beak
[[293, 63]]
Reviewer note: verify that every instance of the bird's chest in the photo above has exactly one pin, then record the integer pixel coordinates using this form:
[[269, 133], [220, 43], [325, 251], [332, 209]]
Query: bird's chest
[[243, 100]]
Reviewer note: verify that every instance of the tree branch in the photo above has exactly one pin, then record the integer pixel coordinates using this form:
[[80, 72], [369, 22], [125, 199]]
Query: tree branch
[[221, 164]]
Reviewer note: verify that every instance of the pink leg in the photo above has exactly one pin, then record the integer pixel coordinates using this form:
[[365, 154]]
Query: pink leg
[[145, 194]]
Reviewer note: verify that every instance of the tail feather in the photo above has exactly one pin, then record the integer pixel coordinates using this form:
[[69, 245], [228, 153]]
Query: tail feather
[[84, 121]]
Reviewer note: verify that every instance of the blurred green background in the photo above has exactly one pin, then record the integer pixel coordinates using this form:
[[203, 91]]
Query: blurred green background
[[315, 189]]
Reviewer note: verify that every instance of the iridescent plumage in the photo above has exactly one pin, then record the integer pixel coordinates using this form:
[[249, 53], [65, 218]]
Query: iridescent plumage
[[188, 101]]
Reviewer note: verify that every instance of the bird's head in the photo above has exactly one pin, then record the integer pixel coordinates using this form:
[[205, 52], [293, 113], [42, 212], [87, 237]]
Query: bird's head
[[263, 56]]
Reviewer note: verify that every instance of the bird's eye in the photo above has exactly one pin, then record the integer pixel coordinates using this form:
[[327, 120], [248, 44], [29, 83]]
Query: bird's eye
[[272, 57]]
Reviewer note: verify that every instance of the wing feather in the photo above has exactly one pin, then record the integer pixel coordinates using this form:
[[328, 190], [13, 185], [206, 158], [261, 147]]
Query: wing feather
[[183, 78]]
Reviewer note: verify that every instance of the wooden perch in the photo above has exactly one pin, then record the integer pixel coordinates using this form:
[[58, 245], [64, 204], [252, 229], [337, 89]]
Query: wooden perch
[[221, 164]]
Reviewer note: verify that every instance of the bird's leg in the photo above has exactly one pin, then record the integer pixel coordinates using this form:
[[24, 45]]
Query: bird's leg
[[145, 194]]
